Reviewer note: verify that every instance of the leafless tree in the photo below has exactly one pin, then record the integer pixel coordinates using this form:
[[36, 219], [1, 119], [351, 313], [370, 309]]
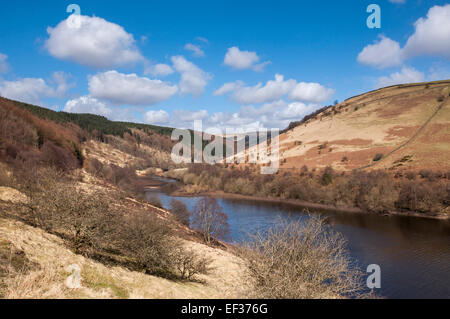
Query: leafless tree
[[209, 218]]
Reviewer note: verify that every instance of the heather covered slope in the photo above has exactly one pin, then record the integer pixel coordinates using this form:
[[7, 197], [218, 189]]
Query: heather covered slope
[[409, 125]]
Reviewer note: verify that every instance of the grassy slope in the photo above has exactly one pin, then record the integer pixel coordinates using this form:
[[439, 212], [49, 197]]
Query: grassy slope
[[377, 122], [50, 259]]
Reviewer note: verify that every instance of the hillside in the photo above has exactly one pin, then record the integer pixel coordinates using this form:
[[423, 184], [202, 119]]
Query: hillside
[[409, 125]]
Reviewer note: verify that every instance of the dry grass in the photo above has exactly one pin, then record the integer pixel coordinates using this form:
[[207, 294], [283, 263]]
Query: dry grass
[[384, 119], [100, 281]]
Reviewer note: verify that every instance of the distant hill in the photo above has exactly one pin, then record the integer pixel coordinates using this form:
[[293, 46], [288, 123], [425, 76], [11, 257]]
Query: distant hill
[[398, 127], [91, 122]]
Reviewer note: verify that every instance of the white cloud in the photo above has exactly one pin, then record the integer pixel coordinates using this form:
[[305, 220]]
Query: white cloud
[[311, 92], [131, 89], [87, 104], [292, 111], [202, 39], [95, 42], [407, 75], [431, 37], [190, 116], [159, 70], [32, 90], [197, 52], [4, 67], [156, 117], [382, 54], [193, 79], [272, 90], [228, 87], [275, 90], [241, 60], [432, 34], [277, 114]]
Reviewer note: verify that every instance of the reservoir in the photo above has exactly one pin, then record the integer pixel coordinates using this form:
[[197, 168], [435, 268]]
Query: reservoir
[[413, 253]]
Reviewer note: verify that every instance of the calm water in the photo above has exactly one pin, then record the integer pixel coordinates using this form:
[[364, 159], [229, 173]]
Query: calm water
[[413, 253]]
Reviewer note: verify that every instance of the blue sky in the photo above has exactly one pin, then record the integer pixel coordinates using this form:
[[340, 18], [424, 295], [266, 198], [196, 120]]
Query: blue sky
[[242, 64]]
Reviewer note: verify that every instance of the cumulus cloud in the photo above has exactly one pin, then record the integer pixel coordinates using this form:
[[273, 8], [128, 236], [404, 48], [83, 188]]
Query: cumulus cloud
[[159, 70], [87, 104], [4, 67], [292, 111], [119, 88], [277, 114], [311, 92], [240, 60], [275, 90], [193, 79], [33, 90], [272, 90], [382, 54], [197, 52], [189, 116], [156, 117], [431, 37], [406, 75], [92, 41], [432, 34]]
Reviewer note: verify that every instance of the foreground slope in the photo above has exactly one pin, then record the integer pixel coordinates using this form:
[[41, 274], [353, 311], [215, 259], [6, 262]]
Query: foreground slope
[[409, 125]]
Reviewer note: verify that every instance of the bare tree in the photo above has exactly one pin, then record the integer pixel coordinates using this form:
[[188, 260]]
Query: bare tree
[[209, 218]]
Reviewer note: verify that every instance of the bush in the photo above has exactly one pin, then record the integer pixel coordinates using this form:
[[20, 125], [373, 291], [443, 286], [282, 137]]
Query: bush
[[189, 264], [149, 243], [95, 167], [327, 176], [179, 209], [378, 157], [154, 200], [410, 175], [57, 205], [426, 173], [294, 260]]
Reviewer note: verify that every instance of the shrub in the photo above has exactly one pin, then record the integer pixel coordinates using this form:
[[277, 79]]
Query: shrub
[[294, 260], [149, 243], [57, 205], [179, 209], [327, 176], [189, 264], [410, 175], [378, 157], [426, 173], [155, 200], [94, 167]]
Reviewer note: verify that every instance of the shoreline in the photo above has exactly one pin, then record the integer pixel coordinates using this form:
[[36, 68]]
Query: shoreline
[[305, 204]]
